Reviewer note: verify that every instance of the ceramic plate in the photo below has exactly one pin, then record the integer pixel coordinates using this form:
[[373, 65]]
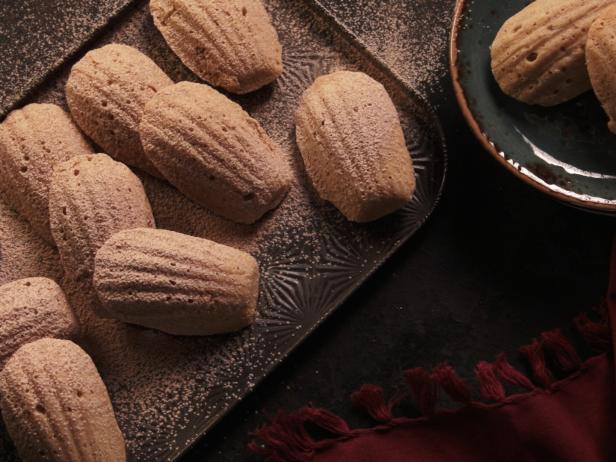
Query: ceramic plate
[[565, 151]]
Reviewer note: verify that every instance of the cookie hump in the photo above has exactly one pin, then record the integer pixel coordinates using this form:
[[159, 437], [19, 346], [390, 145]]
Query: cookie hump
[[228, 43], [176, 283], [538, 55], [32, 140], [600, 59], [32, 309], [106, 92], [350, 138], [92, 197], [56, 407], [210, 149]]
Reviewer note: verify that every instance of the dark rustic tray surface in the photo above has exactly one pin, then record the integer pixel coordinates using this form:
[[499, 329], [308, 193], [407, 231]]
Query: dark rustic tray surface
[[310, 261]]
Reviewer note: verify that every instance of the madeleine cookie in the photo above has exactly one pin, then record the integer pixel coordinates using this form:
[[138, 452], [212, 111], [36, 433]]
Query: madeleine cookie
[[106, 92], [228, 43], [92, 197], [31, 309], [209, 148], [176, 283], [350, 138], [538, 55], [32, 140], [600, 59], [56, 407]]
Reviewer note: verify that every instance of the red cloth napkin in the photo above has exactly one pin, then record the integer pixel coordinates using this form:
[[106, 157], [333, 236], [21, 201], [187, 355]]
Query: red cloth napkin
[[570, 420]]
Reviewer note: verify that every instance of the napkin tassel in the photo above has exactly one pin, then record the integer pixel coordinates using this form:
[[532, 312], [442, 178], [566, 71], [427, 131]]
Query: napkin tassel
[[534, 355], [510, 374], [596, 333], [286, 439], [423, 388], [490, 385], [447, 378], [561, 350], [371, 398]]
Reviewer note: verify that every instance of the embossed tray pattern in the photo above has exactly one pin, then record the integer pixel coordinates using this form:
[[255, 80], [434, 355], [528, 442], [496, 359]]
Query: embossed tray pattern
[[310, 261]]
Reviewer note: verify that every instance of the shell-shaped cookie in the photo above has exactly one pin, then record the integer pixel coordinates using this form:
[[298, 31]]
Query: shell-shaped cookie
[[56, 407], [538, 55], [228, 43], [32, 140], [106, 92], [176, 283], [209, 148], [90, 198], [600, 59], [349, 134], [32, 309]]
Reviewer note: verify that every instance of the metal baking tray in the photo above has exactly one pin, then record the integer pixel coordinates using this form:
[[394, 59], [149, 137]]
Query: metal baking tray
[[311, 258]]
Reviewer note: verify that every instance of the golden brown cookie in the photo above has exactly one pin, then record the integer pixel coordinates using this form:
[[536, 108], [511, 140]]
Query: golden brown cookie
[[600, 59], [209, 148], [228, 43], [56, 407], [176, 283], [350, 138], [538, 55], [106, 92], [32, 140], [32, 309], [92, 197]]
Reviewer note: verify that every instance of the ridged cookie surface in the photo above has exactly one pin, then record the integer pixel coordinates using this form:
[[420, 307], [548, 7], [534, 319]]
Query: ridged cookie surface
[[32, 309], [209, 148], [56, 407], [106, 92], [228, 43], [351, 140], [92, 197], [538, 55], [176, 283], [32, 140], [600, 59]]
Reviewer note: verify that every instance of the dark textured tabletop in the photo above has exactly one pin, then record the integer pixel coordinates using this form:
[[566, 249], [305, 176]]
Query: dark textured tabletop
[[496, 264]]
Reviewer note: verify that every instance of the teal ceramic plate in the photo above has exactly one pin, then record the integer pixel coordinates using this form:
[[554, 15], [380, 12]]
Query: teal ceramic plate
[[565, 151]]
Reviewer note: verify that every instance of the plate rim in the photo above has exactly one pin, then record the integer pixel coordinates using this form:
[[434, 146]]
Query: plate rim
[[483, 137]]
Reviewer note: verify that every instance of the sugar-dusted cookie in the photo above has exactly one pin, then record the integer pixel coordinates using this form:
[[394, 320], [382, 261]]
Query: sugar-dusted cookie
[[106, 92], [209, 148], [92, 197], [176, 283], [56, 407], [600, 59], [538, 55], [32, 140], [351, 140], [32, 309], [228, 43]]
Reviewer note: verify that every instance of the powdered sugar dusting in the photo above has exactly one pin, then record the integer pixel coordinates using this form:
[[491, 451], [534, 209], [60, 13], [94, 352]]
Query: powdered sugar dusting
[[35, 29], [410, 36]]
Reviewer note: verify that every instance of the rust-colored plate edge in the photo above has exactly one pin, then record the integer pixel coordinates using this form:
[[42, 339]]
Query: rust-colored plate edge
[[519, 171]]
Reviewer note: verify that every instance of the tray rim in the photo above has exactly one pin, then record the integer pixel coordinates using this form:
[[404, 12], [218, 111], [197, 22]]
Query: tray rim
[[353, 41], [484, 139]]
